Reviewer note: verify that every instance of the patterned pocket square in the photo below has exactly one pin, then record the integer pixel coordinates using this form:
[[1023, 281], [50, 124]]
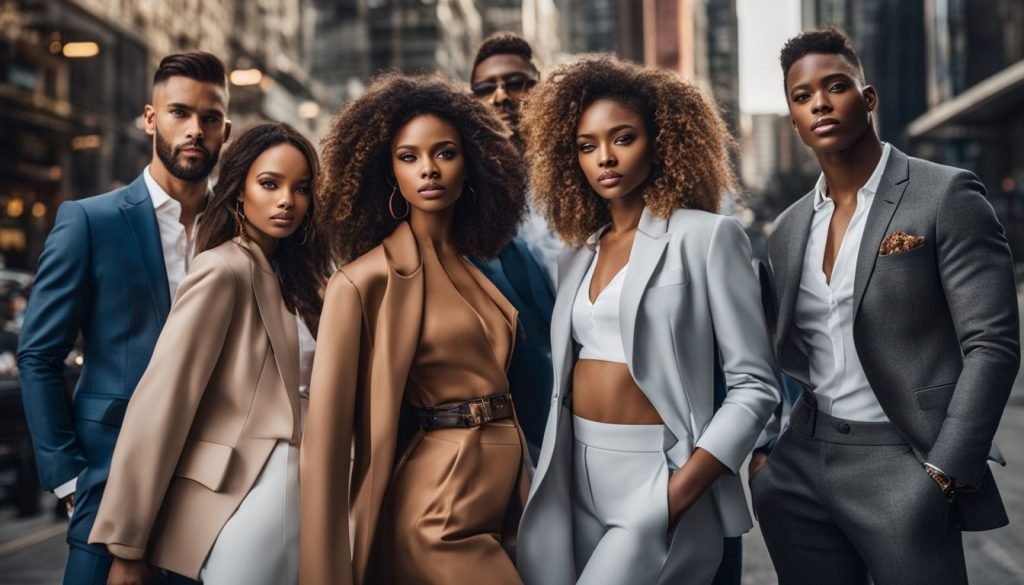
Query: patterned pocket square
[[898, 243]]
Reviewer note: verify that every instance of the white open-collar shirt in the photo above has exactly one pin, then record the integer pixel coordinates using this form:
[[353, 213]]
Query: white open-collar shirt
[[178, 247], [824, 310]]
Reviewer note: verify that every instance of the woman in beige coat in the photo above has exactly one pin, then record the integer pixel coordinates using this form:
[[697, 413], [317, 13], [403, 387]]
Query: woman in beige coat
[[204, 478], [421, 176]]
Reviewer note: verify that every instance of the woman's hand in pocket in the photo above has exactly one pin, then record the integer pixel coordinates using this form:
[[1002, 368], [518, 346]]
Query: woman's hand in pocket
[[688, 484]]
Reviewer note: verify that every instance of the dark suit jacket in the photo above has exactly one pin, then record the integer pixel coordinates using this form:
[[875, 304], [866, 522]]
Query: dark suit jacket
[[935, 328], [102, 274], [524, 283]]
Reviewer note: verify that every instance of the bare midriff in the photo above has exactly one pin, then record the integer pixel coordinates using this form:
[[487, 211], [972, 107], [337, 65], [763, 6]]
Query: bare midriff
[[606, 392]]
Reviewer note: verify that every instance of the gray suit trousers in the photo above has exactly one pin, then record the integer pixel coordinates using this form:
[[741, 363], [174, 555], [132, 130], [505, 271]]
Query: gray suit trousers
[[839, 501]]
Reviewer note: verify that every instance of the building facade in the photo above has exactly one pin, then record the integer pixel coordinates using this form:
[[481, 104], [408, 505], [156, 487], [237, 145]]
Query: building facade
[[68, 122], [975, 85]]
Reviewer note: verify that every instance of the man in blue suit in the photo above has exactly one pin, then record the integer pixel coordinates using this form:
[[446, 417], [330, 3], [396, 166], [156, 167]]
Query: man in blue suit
[[503, 73], [108, 271]]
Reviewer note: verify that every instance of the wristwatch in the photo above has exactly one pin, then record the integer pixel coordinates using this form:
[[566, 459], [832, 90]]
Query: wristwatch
[[946, 483]]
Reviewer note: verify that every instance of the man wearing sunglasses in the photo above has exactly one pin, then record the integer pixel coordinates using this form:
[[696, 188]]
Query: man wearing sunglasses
[[503, 72]]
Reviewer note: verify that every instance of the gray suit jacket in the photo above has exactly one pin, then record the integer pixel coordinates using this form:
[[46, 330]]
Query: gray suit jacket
[[689, 285], [935, 328]]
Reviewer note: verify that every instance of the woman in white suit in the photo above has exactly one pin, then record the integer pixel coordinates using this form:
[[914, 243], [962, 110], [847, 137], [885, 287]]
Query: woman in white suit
[[637, 478]]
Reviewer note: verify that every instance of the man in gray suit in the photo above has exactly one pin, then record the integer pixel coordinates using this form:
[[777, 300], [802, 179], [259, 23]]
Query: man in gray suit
[[897, 311]]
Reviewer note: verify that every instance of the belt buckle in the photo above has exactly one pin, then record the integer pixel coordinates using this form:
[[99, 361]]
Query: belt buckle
[[479, 412], [428, 419]]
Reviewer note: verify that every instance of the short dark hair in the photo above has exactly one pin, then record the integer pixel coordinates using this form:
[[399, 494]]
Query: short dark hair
[[505, 43], [198, 65], [827, 41]]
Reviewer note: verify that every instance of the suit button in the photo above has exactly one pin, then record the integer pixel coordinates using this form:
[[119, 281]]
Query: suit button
[[844, 428]]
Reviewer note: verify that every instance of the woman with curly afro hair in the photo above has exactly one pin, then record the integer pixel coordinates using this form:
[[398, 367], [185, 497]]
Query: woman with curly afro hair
[[413, 346], [637, 481]]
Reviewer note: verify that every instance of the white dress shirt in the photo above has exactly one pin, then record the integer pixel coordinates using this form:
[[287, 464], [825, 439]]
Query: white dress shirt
[[824, 310], [178, 249]]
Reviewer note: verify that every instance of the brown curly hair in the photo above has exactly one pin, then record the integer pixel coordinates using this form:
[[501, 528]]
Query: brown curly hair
[[691, 142], [357, 176]]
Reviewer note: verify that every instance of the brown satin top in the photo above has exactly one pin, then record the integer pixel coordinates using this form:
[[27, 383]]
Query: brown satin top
[[466, 335]]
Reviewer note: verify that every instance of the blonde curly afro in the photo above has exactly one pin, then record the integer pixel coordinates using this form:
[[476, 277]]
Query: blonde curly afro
[[691, 142], [357, 177]]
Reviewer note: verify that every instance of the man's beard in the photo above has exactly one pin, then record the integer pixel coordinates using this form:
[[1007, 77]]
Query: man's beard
[[190, 173]]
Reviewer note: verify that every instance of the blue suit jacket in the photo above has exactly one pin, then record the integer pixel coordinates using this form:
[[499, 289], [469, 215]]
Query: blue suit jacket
[[101, 274], [524, 283]]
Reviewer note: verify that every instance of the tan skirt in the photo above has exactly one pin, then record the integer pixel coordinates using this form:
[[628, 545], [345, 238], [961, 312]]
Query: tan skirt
[[449, 502]]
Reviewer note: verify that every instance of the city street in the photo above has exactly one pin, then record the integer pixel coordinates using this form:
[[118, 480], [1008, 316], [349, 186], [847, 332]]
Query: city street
[[32, 552], [745, 104]]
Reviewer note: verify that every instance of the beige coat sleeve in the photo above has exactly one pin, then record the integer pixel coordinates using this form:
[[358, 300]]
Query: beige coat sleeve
[[163, 406], [325, 545]]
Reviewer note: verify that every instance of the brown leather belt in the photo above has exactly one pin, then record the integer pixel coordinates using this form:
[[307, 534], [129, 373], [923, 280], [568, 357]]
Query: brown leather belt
[[468, 414]]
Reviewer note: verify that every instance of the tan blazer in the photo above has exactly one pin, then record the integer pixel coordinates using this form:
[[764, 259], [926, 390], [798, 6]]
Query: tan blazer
[[220, 391], [369, 331]]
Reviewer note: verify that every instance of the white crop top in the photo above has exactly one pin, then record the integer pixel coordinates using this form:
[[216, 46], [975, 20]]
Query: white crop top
[[596, 326]]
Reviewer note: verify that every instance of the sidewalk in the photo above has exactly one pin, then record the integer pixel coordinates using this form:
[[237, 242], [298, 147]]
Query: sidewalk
[[32, 550]]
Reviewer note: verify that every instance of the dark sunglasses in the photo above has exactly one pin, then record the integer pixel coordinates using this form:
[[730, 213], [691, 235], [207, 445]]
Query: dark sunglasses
[[512, 86]]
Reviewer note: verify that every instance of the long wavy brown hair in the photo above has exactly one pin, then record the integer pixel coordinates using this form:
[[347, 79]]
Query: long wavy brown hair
[[357, 178], [691, 142], [300, 261]]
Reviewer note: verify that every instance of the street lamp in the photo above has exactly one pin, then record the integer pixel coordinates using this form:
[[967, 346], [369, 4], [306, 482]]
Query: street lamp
[[81, 50], [309, 110], [246, 77]]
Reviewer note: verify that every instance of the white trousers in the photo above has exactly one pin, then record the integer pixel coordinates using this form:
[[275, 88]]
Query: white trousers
[[260, 543], [620, 511]]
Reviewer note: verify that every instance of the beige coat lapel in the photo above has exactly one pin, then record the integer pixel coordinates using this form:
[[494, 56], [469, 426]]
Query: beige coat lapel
[[396, 334], [281, 326]]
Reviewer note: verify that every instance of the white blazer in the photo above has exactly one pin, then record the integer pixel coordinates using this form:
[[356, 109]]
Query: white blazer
[[689, 285]]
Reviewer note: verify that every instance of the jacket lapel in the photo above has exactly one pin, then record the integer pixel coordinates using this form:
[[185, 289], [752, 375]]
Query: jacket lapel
[[281, 326], [791, 268], [141, 217], [651, 239], [890, 192], [396, 336], [561, 317]]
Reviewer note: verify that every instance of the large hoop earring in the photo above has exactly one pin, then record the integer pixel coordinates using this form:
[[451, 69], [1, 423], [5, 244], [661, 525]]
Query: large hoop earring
[[391, 205], [307, 226]]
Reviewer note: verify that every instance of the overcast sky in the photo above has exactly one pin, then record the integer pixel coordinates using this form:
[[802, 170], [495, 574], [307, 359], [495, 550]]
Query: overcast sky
[[764, 27]]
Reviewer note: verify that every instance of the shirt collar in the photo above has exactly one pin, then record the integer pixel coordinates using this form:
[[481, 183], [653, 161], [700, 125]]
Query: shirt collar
[[870, 187], [156, 192], [161, 199]]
